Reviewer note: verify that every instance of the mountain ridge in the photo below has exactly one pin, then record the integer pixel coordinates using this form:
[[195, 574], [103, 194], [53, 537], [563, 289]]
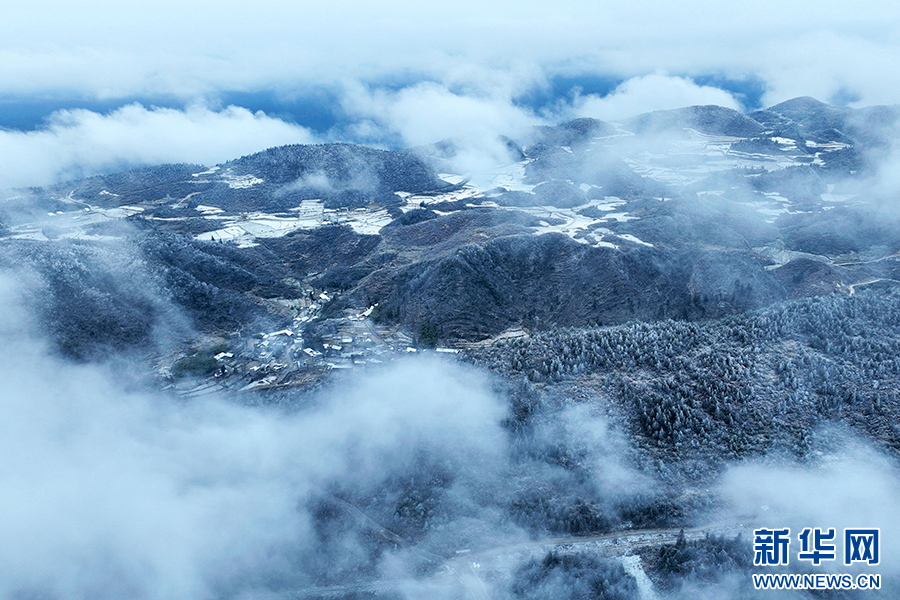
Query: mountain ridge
[[675, 219]]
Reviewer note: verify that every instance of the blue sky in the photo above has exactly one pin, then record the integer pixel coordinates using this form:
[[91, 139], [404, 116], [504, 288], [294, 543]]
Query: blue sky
[[90, 86]]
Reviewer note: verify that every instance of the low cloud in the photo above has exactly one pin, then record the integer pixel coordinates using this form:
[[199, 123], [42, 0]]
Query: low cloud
[[406, 76], [607, 455], [473, 108], [78, 143], [428, 112], [109, 494], [107, 50], [651, 92], [857, 487]]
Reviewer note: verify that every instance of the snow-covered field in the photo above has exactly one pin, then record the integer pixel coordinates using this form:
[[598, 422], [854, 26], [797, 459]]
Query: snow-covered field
[[675, 160], [243, 229]]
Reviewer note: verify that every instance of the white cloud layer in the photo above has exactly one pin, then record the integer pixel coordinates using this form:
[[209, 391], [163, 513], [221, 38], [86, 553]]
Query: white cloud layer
[[413, 73], [651, 92], [81, 142], [856, 488], [428, 112], [111, 494], [105, 49]]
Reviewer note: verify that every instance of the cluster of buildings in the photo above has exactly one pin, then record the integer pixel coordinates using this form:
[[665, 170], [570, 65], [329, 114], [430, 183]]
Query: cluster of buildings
[[285, 358]]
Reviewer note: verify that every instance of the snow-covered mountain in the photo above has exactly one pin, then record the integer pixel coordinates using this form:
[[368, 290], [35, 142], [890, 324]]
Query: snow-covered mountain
[[714, 286], [691, 213]]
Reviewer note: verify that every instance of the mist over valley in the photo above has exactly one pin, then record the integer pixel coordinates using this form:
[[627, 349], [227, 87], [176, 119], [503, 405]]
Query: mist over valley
[[449, 301], [582, 363]]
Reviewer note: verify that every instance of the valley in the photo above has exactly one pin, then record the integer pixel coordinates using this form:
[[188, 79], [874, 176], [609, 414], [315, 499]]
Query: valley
[[649, 306]]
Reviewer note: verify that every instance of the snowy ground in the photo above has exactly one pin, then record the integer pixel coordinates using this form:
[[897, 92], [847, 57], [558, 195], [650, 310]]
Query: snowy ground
[[675, 161]]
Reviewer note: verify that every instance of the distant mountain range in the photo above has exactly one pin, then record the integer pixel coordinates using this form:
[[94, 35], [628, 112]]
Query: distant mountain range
[[714, 286], [692, 213]]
